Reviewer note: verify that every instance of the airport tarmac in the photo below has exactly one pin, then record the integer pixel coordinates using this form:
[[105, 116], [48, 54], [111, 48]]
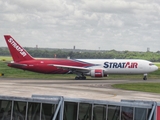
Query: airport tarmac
[[89, 89]]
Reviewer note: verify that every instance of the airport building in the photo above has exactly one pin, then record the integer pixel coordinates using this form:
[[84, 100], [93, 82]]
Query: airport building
[[60, 108]]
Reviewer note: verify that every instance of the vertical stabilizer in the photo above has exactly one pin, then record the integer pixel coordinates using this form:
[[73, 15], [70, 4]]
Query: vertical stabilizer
[[18, 53]]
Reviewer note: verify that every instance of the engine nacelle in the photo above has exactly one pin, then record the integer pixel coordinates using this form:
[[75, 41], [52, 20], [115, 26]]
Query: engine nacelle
[[98, 73]]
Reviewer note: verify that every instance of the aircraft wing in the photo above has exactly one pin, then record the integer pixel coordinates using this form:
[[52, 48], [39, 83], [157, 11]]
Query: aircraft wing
[[72, 68]]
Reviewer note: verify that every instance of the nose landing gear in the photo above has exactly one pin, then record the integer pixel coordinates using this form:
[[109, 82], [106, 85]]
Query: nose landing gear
[[145, 77]]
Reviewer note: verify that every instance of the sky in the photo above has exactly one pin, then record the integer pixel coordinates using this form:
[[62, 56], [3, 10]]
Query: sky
[[132, 25]]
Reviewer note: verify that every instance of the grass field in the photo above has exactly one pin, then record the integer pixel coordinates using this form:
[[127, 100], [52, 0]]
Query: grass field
[[144, 87]]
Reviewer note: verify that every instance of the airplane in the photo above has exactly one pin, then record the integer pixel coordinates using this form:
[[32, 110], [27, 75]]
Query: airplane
[[81, 67]]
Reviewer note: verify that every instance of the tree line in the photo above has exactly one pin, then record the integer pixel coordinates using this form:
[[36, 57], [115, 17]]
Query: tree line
[[87, 54]]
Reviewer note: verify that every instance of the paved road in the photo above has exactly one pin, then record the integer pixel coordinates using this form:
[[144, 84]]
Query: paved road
[[89, 89]]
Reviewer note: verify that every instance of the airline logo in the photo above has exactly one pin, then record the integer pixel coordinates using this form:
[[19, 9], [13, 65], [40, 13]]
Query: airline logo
[[120, 65], [17, 47]]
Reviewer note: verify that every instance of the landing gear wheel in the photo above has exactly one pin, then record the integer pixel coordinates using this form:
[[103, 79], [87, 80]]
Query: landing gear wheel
[[83, 78], [76, 78], [80, 78], [145, 78]]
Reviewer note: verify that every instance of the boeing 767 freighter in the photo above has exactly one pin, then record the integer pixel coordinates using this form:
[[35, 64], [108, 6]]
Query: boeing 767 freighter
[[81, 67]]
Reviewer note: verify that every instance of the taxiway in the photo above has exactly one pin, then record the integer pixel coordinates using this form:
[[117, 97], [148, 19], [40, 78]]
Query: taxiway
[[89, 89]]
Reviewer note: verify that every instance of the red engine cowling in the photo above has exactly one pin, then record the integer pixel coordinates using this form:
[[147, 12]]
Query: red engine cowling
[[98, 73]]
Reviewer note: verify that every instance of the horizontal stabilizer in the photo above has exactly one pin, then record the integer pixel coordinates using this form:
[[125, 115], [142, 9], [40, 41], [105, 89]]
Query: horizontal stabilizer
[[17, 64]]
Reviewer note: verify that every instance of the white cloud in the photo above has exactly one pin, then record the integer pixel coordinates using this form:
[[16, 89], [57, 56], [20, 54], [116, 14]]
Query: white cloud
[[87, 24]]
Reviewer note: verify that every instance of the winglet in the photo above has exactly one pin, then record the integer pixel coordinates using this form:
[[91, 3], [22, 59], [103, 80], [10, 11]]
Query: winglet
[[18, 53]]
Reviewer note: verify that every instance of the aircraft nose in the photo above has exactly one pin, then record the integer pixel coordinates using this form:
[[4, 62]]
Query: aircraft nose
[[156, 68]]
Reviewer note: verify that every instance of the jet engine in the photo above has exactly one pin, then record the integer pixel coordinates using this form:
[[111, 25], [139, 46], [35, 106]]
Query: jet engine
[[98, 73]]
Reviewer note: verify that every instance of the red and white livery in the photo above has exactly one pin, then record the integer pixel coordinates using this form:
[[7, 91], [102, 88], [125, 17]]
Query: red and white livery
[[81, 67]]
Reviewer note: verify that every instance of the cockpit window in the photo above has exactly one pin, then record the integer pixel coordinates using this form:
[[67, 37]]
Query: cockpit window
[[151, 64]]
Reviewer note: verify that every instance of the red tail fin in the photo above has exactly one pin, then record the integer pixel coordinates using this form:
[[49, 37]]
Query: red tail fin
[[18, 53]]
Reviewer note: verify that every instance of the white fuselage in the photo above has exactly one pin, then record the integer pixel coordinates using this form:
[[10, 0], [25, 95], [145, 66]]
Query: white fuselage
[[122, 66]]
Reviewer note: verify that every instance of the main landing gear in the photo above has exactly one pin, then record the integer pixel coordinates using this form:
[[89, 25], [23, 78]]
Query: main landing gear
[[80, 77], [145, 77]]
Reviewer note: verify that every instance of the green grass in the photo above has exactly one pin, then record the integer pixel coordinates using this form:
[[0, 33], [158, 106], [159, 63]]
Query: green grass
[[158, 64], [144, 87], [5, 58]]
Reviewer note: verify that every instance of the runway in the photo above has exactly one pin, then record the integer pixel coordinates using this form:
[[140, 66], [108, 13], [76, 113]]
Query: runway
[[89, 89]]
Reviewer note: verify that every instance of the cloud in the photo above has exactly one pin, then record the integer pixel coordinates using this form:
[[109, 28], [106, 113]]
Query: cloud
[[87, 24]]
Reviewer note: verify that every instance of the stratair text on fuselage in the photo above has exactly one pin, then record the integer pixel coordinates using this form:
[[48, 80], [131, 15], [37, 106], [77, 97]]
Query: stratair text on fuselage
[[120, 65]]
